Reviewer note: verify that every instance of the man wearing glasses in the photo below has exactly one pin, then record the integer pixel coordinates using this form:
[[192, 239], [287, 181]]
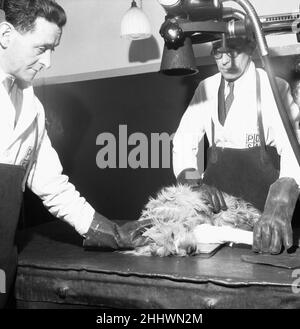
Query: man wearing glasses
[[249, 154]]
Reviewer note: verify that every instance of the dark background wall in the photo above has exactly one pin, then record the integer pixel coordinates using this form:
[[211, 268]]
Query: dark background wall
[[148, 103]]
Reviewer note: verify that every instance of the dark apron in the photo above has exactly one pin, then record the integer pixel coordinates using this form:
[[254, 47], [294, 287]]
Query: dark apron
[[12, 185], [11, 194], [246, 173], [241, 173]]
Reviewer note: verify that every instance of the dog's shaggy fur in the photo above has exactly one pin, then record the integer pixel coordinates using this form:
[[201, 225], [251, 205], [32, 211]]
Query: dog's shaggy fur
[[177, 210]]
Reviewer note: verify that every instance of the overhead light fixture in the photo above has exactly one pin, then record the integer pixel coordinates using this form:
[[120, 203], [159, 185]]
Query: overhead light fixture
[[135, 24], [179, 61]]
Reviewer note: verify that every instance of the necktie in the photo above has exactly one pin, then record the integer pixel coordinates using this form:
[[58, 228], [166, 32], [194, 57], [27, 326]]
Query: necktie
[[229, 99]]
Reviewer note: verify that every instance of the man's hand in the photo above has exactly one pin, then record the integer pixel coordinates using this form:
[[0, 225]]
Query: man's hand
[[192, 178], [130, 235], [274, 228], [106, 234], [214, 197]]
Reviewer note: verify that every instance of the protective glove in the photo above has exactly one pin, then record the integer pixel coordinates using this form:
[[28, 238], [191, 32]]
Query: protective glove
[[105, 234], [191, 177], [274, 228]]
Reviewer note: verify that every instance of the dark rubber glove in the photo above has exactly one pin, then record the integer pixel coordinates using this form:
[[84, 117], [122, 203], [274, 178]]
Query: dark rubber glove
[[214, 197], [274, 228], [191, 177], [105, 234]]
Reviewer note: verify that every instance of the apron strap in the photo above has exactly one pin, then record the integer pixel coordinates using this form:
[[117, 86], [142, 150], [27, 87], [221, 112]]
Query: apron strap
[[214, 153], [263, 149]]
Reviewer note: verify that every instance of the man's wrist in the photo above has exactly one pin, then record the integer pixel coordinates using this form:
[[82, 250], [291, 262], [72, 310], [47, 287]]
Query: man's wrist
[[102, 233], [189, 176], [93, 226]]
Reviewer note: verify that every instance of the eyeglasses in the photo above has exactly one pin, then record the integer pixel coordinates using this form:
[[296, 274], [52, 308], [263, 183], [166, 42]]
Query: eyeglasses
[[232, 53]]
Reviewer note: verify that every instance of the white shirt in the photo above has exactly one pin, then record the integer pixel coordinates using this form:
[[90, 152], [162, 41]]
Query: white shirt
[[240, 129], [45, 178]]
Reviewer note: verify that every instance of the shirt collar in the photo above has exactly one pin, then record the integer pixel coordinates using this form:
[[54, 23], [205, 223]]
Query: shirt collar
[[4, 75]]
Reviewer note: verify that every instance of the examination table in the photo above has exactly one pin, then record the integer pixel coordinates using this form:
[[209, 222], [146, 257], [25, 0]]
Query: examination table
[[55, 272]]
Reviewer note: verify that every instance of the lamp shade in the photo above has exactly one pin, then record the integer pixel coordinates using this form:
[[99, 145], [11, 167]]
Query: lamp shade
[[179, 61], [135, 24]]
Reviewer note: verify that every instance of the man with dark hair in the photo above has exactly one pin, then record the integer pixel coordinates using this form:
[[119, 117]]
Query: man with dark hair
[[236, 110], [22, 14], [29, 31]]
